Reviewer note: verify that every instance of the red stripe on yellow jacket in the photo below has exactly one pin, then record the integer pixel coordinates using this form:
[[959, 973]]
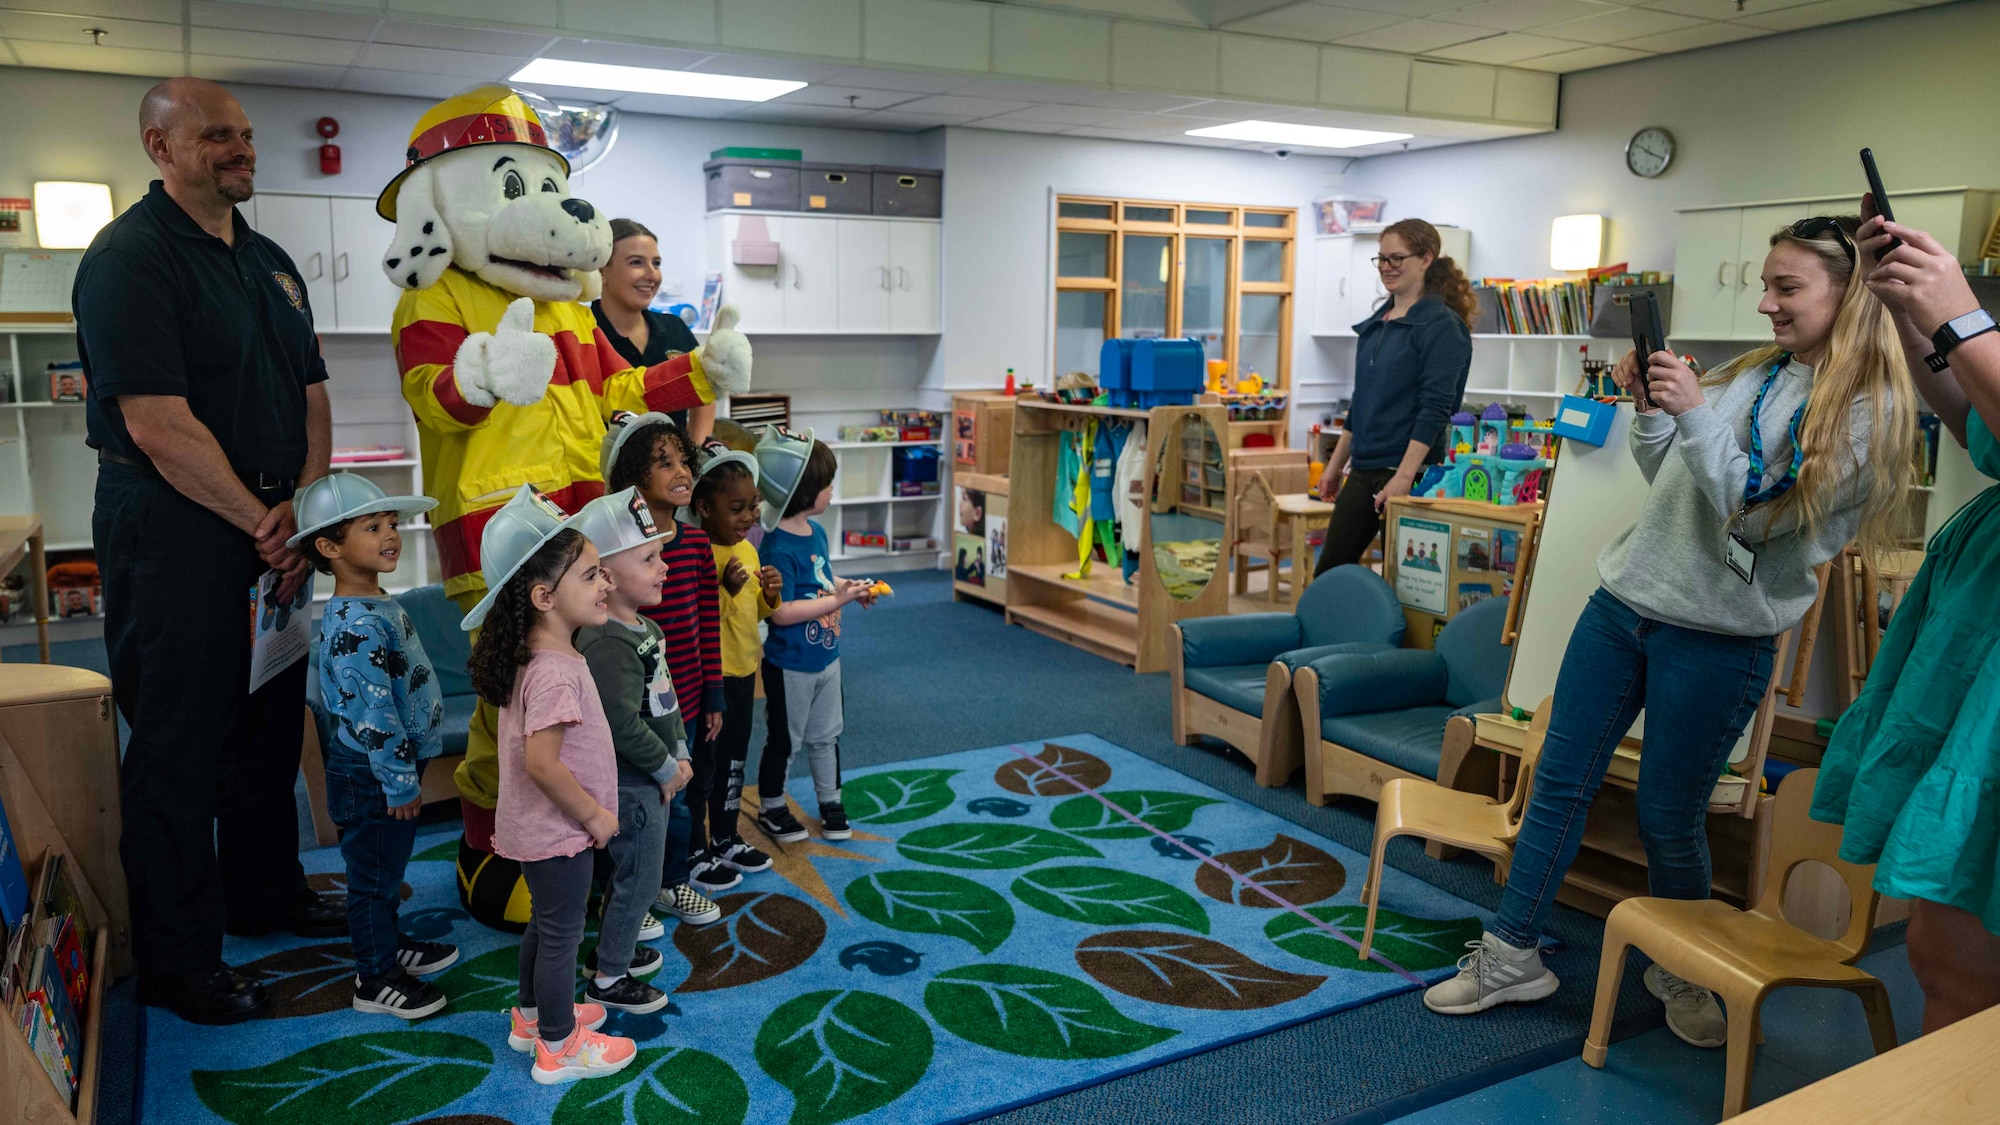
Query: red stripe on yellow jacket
[[458, 541]]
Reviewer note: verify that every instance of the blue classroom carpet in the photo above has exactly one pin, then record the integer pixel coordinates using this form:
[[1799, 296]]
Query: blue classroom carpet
[[1007, 925]]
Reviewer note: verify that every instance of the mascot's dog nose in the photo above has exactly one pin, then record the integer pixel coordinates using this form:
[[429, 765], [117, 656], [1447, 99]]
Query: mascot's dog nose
[[582, 211]]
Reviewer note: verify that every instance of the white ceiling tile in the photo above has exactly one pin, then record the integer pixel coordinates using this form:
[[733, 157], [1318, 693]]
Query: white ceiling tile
[[1824, 12], [401, 82], [1406, 8], [1583, 58], [1363, 79], [782, 114], [624, 54], [1164, 11], [1135, 101], [757, 66], [1158, 123], [281, 21], [1052, 46], [836, 96], [104, 60], [1519, 15], [828, 28], [1508, 47], [951, 105], [225, 69], [1256, 67], [47, 27], [1415, 36], [872, 78], [334, 53], [1720, 9], [1051, 114], [527, 13], [1317, 22], [1618, 25], [1028, 92], [1213, 111], [679, 107], [475, 39], [683, 21], [928, 33], [157, 11], [1014, 125], [1147, 56], [898, 122], [1115, 135], [1690, 38], [389, 56]]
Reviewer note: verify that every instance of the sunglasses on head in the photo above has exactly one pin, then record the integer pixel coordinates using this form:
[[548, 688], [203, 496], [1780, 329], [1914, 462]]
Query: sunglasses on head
[[1820, 224]]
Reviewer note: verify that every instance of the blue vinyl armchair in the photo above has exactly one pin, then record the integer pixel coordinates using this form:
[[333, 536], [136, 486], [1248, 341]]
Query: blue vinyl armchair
[[1232, 675], [1386, 714], [436, 619]]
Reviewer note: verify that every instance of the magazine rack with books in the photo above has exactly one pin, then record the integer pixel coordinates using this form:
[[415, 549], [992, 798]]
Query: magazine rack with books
[[49, 1073]]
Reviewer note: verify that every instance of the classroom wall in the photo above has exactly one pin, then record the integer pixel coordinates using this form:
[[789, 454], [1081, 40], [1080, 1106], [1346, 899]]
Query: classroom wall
[[1776, 117]]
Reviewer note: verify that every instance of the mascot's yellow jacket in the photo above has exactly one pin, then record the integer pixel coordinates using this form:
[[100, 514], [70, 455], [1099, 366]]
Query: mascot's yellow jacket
[[476, 457]]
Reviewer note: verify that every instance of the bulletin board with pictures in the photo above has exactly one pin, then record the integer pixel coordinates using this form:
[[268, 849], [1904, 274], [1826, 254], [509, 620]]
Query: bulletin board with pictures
[[979, 536], [1443, 556]]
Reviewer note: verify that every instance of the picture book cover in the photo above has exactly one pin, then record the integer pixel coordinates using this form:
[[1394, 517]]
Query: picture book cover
[[13, 878]]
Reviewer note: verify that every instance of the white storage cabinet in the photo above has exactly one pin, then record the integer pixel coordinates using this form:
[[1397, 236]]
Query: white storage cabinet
[[834, 274]]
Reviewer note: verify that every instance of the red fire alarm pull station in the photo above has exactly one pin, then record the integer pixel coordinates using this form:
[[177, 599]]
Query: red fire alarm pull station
[[329, 153]]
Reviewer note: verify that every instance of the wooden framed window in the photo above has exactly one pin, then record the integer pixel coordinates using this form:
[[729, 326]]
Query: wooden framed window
[[1139, 268]]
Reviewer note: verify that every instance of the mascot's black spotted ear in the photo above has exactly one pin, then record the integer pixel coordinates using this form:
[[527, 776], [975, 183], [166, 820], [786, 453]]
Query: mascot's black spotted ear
[[422, 248]]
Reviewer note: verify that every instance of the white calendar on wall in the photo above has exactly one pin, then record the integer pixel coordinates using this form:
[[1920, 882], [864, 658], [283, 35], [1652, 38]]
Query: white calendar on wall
[[37, 281]]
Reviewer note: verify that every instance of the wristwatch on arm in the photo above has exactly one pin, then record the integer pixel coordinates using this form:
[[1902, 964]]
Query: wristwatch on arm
[[1954, 332]]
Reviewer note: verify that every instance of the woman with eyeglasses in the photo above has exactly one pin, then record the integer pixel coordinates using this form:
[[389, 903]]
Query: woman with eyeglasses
[[1759, 473], [1410, 365], [1913, 770]]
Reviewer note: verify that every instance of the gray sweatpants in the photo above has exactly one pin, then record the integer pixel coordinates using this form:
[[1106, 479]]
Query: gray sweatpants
[[637, 854], [802, 709]]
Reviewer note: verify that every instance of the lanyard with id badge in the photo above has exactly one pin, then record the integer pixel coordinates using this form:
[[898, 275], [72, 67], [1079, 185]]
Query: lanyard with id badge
[[1736, 550]]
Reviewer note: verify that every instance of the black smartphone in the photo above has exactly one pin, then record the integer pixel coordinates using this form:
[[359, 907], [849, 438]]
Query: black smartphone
[[1881, 197], [1647, 337]]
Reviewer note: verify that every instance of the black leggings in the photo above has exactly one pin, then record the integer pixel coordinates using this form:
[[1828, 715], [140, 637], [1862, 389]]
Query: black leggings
[[1355, 522], [549, 945], [715, 792]]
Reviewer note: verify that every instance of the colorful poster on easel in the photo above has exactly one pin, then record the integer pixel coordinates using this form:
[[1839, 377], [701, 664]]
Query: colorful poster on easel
[[1423, 551], [1506, 550]]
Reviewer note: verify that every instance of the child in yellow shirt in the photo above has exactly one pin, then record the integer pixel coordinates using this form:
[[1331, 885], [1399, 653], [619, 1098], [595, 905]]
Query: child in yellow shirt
[[725, 501]]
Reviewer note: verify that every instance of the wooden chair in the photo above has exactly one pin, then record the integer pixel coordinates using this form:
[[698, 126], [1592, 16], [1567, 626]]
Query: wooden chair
[[1741, 955], [1255, 537], [1415, 807], [1858, 584]]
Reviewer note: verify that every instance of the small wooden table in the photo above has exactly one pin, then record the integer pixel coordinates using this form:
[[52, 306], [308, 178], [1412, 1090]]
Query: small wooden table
[[1947, 1075], [21, 537], [1302, 512]]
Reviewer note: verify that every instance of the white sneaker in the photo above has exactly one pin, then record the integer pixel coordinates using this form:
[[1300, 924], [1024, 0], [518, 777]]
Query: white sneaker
[[1692, 1012], [1493, 973], [687, 904]]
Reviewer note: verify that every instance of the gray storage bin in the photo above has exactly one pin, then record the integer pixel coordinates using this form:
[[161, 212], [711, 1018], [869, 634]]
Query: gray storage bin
[[915, 193], [836, 189], [767, 185]]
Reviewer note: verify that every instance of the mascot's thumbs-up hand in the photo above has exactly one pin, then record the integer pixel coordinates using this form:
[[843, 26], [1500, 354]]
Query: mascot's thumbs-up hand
[[725, 358], [513, 362]]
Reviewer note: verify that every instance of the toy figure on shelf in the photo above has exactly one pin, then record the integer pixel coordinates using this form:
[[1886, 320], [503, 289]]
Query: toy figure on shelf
[[508, 375]]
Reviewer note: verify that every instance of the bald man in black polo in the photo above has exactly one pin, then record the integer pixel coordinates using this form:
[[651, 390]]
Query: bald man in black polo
[[207, 405]]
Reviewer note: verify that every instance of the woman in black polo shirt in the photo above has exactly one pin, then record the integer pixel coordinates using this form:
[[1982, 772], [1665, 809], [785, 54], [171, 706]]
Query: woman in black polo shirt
[[644, 337], [1410, 366]]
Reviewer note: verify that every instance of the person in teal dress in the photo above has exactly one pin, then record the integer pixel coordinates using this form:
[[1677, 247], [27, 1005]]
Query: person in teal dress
[[1913, 770]]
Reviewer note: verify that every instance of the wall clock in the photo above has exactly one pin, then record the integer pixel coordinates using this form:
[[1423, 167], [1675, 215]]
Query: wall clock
[[1649, 152]]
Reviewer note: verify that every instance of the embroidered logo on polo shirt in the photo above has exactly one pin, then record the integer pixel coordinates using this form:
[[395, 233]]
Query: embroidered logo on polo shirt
[[292, 291]]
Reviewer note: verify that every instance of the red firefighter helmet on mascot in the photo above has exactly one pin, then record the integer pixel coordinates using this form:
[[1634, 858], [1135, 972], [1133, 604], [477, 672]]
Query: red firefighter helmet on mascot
[[484, 115]]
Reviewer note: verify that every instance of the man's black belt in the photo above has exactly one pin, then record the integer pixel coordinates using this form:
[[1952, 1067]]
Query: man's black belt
[[255, 482]]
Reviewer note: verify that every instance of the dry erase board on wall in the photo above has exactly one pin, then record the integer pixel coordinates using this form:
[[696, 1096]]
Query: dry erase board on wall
[[1595, 493]]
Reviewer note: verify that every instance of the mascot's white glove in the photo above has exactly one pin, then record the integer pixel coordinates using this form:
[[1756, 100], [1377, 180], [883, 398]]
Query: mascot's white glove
[[512, 363], [725, 358]]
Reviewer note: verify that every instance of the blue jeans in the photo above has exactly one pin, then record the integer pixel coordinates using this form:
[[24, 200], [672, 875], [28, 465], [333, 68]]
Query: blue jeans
[[1700, 690], [377, 848]]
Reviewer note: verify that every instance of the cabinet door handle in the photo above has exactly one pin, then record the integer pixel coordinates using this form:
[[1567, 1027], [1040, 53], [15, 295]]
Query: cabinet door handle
[[318, 261], [902, 278], [795, 277], [884, 283], [1722, 274], [340, 267], [1343, 287], [1743, 278]]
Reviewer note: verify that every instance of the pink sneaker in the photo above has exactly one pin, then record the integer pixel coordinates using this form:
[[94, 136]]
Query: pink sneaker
[[524, 1032], [585, 1054]]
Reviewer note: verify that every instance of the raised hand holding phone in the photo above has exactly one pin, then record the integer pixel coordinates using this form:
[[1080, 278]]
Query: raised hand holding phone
[[1880, 197]]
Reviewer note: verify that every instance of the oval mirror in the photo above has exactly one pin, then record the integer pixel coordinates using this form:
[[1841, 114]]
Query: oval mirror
[[1188, 503]]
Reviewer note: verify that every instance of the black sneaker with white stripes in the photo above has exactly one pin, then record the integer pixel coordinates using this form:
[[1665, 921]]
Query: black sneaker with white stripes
[[627, 994], [645, 961], [709, 875], [779, 824], [833, 821], [422, 958], [733, 852], [397, 993]]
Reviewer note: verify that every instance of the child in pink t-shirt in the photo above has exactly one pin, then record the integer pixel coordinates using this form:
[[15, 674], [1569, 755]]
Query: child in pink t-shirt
[[558, 796]]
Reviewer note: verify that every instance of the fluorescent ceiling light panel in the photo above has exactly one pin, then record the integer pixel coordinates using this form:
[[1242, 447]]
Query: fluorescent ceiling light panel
[[648, 80], [1309, 136]]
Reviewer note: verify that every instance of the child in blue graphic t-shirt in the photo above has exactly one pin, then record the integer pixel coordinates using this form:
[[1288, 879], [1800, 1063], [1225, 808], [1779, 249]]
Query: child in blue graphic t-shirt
[[378, 687]]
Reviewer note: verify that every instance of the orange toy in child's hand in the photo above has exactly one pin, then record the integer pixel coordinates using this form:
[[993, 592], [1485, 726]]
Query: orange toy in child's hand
[[880, 589]]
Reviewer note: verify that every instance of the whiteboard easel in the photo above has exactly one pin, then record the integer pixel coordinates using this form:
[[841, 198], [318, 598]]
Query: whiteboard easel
[[1594, 493]]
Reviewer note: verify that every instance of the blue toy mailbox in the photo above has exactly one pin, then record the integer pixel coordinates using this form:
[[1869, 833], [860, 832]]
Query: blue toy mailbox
[[1584, 419], [1167, 372]]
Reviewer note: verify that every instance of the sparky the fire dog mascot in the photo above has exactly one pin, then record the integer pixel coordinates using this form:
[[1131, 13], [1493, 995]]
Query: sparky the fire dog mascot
[[510, 379]]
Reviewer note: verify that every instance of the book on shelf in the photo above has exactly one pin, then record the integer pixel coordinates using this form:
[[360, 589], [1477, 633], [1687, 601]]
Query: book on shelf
[[13, 881], [45, 979], [1554, 306]]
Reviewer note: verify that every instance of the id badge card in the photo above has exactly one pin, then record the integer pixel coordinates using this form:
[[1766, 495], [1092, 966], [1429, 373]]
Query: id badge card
[[1741, 559]]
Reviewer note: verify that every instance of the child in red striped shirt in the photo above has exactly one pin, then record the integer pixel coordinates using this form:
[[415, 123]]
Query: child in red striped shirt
[[650, 453]]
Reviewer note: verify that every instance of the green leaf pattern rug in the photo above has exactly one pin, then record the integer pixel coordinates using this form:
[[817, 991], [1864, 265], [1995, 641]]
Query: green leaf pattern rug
[[992, 936]]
